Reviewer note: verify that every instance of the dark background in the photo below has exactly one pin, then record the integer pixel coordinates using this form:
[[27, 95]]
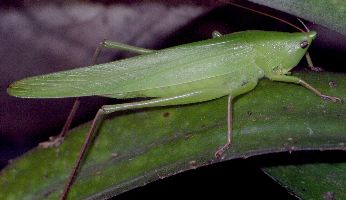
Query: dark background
[[38, 38]]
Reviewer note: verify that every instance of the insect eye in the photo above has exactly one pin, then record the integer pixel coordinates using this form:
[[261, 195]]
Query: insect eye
[[304, 44]]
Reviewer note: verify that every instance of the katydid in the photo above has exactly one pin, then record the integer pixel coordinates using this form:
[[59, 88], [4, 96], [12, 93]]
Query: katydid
[[226, 65]]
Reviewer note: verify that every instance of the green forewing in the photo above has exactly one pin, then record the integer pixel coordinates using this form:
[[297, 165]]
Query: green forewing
[[172, 71]]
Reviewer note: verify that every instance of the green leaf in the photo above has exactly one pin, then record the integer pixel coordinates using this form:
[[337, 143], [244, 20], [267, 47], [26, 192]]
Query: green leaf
[[312, 181], [134, 148], [330, 14]]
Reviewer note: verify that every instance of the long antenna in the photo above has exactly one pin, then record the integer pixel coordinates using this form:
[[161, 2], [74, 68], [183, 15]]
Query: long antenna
[[268, 15], [307, 29]]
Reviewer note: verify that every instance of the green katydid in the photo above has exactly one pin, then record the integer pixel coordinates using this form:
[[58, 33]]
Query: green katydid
[[226, 65]]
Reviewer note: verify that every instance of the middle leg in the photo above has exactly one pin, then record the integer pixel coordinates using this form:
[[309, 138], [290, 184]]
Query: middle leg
[[193, 97], [244, 89]]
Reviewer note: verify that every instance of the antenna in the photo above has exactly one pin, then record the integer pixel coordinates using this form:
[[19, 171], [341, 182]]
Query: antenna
[[307, 29], [271, 16]]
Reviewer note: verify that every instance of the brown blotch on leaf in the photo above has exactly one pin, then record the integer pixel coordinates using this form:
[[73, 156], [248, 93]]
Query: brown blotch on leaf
[[166, 114]]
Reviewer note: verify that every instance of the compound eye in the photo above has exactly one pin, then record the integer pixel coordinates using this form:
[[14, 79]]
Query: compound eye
[[304, 44]]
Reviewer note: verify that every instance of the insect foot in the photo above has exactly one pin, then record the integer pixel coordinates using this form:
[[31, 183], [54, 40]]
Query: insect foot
[[331, 98], [52, 142], [222, 150], [316, 69]]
